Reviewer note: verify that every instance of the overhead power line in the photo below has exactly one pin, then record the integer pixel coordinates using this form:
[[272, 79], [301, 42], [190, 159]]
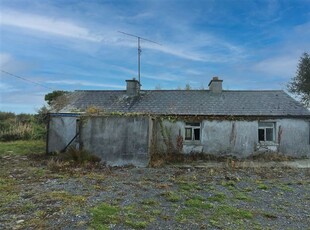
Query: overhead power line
[[25, 79]]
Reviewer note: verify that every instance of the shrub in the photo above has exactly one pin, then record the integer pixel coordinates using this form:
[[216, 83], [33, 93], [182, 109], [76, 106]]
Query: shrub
[[79, 156]]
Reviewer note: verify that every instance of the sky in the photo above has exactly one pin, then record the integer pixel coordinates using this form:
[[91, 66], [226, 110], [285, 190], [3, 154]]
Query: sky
[[76, 45]]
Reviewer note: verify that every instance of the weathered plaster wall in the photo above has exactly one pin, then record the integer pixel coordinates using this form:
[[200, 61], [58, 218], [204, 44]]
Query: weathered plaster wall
[[240, 138], [61, 131], [129, 140], [229, 137], [117, 140], [294, 140]]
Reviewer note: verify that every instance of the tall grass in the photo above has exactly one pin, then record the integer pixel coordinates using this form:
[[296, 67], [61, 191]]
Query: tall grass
[[22, 147], [21, 127]]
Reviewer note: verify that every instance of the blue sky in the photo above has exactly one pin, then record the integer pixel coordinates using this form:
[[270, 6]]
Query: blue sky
[[70, 44]]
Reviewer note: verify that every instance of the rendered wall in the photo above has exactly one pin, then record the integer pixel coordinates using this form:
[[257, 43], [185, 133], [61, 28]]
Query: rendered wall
[[240, 138], [117, 140], [60, 133], [295, 138]]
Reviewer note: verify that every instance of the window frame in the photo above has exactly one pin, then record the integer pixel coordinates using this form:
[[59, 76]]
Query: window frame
[[190, 127], [267, 125]]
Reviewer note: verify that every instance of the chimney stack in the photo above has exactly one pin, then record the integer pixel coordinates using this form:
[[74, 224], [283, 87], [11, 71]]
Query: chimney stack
[[133, 87], [215, 85]]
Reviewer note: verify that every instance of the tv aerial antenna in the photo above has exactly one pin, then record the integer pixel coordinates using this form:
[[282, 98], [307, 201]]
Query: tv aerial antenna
[[139, 49]]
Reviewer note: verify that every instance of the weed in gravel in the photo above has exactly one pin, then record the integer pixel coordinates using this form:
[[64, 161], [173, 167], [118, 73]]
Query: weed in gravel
[[219, 197], [104, 215], [171, 196], [137, 216], [149, 202], [248, 189], [8, 192], [79, 156], [156, 212], [65, 197], [197, 202], [262, 186], [235, 216], [190, 213], [56, 165], [269, 215], [241, 196], [27, 206], [285, 187], [188, 186], [136, 224], [229, 184]]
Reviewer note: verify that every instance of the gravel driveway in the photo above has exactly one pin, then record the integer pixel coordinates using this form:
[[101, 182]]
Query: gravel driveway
[[37, 192]]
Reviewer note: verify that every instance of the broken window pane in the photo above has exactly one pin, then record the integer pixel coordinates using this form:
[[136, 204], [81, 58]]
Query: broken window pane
[[261, 135]]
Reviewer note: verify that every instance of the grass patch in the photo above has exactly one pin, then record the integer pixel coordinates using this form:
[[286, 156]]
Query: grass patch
[[103, 215], [262, 186], [22, 147], [171, 196], [136, 224], [188, 186], [66, 197], [234, 212], [242, 196], [149, 202], [199, 203], [219, 197], [190, 213], [269, 215], [134, 216], [8, 192]]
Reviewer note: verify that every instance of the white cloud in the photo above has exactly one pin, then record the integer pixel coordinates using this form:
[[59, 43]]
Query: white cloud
[[84, 83], [6, 88], [284, 66], [47, 25]]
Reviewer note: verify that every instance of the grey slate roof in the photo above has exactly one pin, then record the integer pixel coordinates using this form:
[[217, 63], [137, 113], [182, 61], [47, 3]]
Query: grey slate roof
[[190, 102]]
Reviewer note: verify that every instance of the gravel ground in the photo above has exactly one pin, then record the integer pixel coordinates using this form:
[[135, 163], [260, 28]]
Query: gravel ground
[[37, 192]]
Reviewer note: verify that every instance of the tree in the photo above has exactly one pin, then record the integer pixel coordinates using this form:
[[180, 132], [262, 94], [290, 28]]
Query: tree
[[50, 98], [300, 84]]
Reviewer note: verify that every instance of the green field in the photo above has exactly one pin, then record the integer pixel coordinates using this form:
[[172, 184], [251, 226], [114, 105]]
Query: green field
[[22, 147]]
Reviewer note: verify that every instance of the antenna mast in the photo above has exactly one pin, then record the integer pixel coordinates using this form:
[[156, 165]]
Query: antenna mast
[[139, 49]]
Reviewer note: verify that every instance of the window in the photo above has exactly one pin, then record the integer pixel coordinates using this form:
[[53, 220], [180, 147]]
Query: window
[[192, 131], [266, 131]]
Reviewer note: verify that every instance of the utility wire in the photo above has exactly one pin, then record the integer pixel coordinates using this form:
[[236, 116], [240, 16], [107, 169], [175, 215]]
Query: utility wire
[[25, 79]]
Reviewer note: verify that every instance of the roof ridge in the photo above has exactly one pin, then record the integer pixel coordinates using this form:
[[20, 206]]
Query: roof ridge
[[184, 90]]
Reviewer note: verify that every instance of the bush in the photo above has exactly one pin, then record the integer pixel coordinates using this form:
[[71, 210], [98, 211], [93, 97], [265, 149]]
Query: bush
[[20, 127], [78, 156]]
